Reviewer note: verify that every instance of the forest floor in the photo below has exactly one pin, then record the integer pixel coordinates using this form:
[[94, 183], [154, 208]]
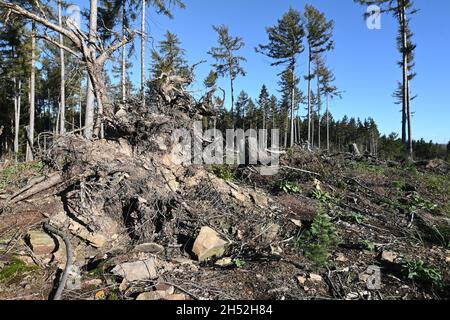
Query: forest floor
[[320, 229]]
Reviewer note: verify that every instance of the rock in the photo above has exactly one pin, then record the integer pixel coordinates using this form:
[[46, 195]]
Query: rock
[[298, 223], [123, 285], [276, 250], [301, 280], [152, 248], [315, 277], [152, 296], [137, 271], [271, 232], [340, 257], [177, 297], [41, 243], [225, 262], [388, 256], [168, 289], [74, 278], [91, 283], [209, 244], [447, 259], [259, 200], [238, 195]]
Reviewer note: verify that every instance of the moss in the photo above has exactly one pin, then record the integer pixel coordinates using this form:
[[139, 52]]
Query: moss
[[11, 174], [15, 270]]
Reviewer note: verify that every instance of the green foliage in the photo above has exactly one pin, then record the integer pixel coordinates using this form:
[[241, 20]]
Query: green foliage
[[10, 174], [224, 171], [320, 239], [239, 263], [421, 203], [422, 272], [15, 270], [354, 217], [369, 245], [289, 187], [322, 196]]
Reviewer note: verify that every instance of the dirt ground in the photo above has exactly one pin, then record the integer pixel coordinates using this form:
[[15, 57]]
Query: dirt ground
[[109, 197]]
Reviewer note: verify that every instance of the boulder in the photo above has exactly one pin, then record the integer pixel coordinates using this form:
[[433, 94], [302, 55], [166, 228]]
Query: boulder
[[152, 248], [209, 244], [41, 243], [388, 256], [137, 271]]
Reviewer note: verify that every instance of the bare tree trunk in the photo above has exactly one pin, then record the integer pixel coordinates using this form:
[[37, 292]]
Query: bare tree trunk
[[143, 40], [328, 123], [63, 74], [309, 95], [29, 156], [124, 59], [293, 104], [90, 96], [17, 107], [233, 117], [410, 135], [402, 18], [319, 102]]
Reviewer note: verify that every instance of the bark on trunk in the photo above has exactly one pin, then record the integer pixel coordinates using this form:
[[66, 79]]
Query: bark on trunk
[[309, 95], [90, 96], [293, 105], [63, 74], [143, 39], [29, 156]]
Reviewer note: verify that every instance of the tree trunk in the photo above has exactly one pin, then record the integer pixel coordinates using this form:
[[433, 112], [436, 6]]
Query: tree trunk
[[63, 74], [17, 107], [328, 124], [232, 102], [402, 17], [124, 59], [309, 95], [30, 142], [410, 135], [319, 102], [143, 39], [293, 105], [90, 97]]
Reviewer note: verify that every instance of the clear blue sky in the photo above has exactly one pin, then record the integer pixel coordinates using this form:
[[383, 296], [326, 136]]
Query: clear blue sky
[[364, 61]]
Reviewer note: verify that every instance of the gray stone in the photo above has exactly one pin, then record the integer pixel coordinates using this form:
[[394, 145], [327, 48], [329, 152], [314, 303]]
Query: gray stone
[[137, 271]]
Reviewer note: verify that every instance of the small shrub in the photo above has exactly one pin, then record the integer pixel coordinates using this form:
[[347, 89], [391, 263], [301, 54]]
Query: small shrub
[[289, 187], [422, 272], [369, 245], [320, 239], [223, 171], [322, 196]]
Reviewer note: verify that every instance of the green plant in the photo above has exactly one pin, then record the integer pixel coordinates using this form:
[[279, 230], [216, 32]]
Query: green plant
[[322, 196], [421, 203], [239, 263], [15, 270], [419, 271], [320, 239], [223, 171], [10, 174], [369, 245], [289, 187]]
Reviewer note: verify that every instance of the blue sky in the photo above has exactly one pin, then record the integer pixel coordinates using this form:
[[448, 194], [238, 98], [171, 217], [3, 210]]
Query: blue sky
[[364, 61]]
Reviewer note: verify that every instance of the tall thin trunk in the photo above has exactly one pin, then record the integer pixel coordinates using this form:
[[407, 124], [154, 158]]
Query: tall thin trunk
[[63, 74], [232, 101], [410, 135], [30, 142], [309, 95], [143, 40], [124, 59], [328, 123], [319, 102], [293, 104], [402, 17], [17, 107], [90, 96]]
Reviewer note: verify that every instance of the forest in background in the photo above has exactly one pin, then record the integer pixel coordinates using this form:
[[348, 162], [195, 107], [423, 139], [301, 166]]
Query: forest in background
[[37, 87]]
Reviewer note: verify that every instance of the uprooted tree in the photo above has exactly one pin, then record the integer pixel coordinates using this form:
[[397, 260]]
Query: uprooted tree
[[94, 56]]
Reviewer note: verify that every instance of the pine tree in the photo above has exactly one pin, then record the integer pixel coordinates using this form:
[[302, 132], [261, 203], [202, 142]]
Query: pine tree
[[264, 106], [320, 32], [228, 63], [162, 7], [285, 44]]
